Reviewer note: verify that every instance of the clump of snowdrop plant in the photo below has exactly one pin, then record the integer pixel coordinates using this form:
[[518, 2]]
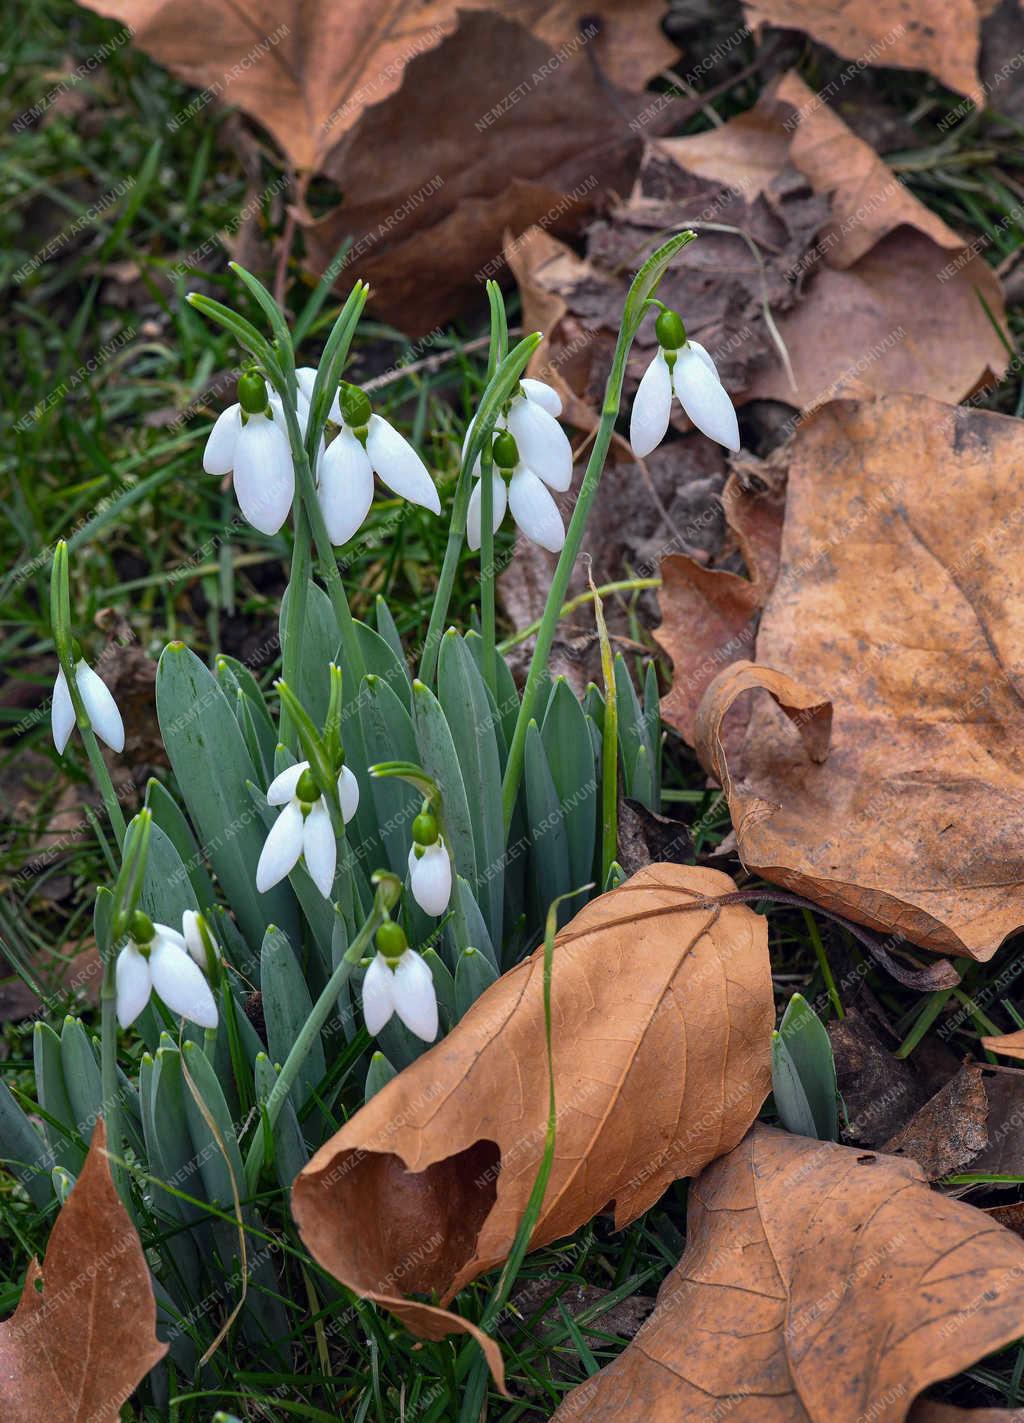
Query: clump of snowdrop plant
[[368, 844]]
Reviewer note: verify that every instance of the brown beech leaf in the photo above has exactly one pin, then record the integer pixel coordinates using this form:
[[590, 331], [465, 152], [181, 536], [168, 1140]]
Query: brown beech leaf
[[880, 778], [307, 70], [939, 36], [662, 1015], [820, 1284], [869, 290], [84, 1334], [888, 283]]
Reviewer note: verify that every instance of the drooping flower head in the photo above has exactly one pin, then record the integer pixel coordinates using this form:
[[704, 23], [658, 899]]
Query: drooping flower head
[[250, 442], [684, 368], [532, 455], [399, 980], [100, 707], [430, 866], [157, 957], [303, 829], [366, 445]]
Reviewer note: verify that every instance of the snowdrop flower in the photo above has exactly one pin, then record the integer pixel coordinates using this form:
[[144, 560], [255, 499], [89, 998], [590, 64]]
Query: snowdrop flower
[[430, 868], [194, 931], [685, 368], [156, 956], [528, 496], [364, 446], [104, 716], [304, 829], [249, 442], [399, 981]]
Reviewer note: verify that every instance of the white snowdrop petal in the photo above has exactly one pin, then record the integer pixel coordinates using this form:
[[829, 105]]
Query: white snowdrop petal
[[132, 984], [535, 511], [543, 444], [181, 983], [264, 474], [171, 935], [415, 997], [281, 849], [542, 394], [219, 453], [348, 794], [103, 713], [346, 487], [62, 712], [473, 513], [705, 357], [319, 848], [378, 1001], [705, 400], [652, 405], [192, 938], [399, 466], [282, 787], [305, 377], [431, 879]]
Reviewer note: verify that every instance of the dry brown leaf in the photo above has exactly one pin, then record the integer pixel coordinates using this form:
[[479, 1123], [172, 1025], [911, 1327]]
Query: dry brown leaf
[[662, 1014], [869, 290], [905, 610], [528, 107], [820, 1284], [307, 70], [709, 615], [950, 1129], [893, 293], [938, 36], [1008, 1045], [84, 1334]]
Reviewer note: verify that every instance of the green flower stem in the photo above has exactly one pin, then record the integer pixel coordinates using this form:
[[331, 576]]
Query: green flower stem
[[309, 505], [621, 585], [298, 588], [487, 618], [108, 1074], [446, 581], [640, 291], [101, 775], [321, 1011], [560, 580]]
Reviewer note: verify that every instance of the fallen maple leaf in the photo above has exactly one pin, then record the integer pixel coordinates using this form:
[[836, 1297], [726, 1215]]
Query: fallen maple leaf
[[820, 1284], [662, 1014], [899, 602], [939, 36], [83, 1336]]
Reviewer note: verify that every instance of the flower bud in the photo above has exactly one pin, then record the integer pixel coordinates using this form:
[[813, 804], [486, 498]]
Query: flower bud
[[307, 789]]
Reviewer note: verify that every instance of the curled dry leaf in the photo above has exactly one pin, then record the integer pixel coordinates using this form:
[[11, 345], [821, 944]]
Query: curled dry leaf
[[75, 1348], [709, 615], [881, 779], [939, 36], [662, 1014], [800, 1254]]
